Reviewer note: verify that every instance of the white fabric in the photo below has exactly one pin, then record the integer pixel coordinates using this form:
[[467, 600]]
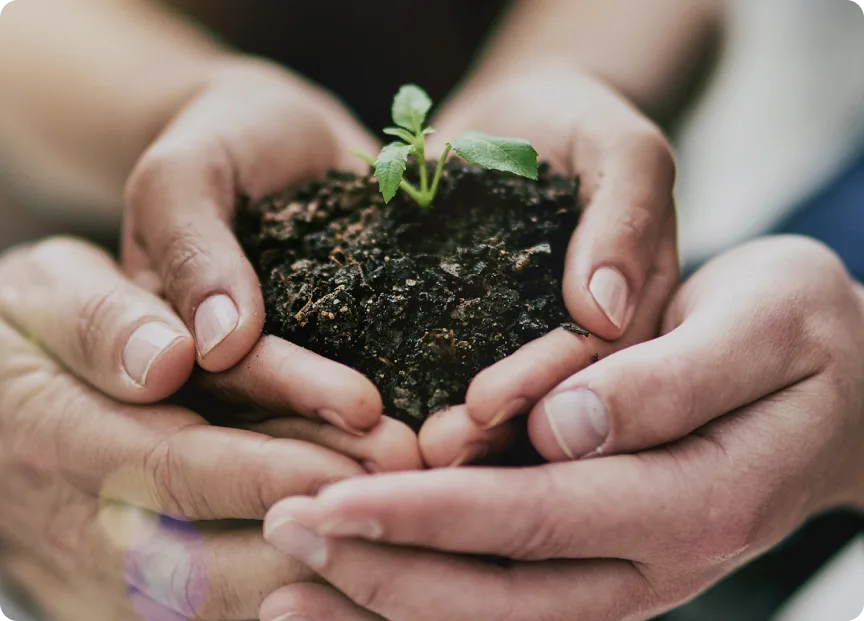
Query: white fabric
[[783, 115]]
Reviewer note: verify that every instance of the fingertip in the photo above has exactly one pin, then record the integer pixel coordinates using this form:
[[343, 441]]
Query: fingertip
[[451, 439], [401, 448], [168, 371], [225, 331], [543, 436], [493, 396], [594, 301], [357, 407]]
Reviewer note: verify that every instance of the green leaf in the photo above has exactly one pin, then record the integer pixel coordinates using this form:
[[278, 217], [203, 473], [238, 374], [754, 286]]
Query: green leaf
[[429, 131], [512, 155], [410, 108], [399, 132], [390, 167]]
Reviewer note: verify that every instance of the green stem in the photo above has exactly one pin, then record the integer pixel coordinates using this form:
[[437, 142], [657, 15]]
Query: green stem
[[438, 172], [420, 145], [414, 193], [364, 156]]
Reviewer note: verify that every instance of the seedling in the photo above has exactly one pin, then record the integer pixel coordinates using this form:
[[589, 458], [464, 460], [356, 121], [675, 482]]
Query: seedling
[[410, 108]]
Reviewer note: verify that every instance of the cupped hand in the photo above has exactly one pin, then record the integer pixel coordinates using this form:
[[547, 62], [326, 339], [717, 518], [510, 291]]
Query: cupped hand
[[254, 129], [622, 264], [754, 394], [137, 507]]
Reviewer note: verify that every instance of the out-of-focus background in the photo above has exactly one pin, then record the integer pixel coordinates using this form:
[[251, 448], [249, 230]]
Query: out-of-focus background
[[780, 119]]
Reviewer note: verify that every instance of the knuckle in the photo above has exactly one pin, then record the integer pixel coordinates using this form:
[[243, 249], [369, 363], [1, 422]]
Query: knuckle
[[185, 258], [653, 145], [544, 536], [96, 313], [375, 595], [639, 220], [172, 492], [731, 531], [187, 583]]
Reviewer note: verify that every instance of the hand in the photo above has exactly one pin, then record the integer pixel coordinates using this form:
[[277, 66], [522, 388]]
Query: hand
[[622, 264], [753, 392], [120, 511], [255, 129]]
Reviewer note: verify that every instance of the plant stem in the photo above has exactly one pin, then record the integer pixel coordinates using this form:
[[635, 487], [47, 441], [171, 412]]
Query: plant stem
[[420, 198], [420, 146], [364, 156], [438, 172]]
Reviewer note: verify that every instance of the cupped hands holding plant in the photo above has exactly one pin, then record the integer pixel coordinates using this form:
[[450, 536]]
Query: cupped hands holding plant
[[622, 263], [752, 392], [121, 507]]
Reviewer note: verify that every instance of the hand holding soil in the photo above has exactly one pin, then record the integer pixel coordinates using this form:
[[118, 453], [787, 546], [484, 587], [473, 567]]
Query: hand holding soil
[[465, 267], [120, 511], [178, 237], [756, 410], [621, 264]]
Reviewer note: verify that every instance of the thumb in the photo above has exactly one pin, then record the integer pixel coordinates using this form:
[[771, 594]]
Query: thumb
[[626, 233], [721, 358]]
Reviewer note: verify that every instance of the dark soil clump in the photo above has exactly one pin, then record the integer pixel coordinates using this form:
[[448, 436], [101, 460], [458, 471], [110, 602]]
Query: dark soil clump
[[418, 301]]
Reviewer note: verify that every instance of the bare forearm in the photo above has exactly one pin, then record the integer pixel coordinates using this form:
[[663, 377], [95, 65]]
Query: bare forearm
[[86, 86], [647, 50]]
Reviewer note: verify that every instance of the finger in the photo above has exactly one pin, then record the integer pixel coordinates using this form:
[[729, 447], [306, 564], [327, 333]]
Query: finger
[[161, 458], [282, 378], [616, 244], [402, 584], [314, 602], [204, 573], [741, 340], [512, 386], [72, 300], [183, 226], [390, 447], [181, 196], [450, 439], [517, 383], [611, 508]]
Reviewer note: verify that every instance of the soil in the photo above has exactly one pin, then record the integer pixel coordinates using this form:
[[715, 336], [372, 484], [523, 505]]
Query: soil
[[418, 300]]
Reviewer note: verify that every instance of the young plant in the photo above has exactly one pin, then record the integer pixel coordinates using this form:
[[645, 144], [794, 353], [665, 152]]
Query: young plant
[[410, 108]]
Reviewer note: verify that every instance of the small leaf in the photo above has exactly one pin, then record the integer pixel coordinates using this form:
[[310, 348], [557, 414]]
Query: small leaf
[[390, 168], [512, 155], [410, 108], [429, 130], [399, 132]]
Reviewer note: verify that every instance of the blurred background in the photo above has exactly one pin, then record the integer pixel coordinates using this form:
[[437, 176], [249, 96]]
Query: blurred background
[[775, 127]]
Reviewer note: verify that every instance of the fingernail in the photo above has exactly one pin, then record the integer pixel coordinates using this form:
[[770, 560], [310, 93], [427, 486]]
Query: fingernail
[[292, 617], [363, 529], [144, 346], [514, 408], [471, 454], [215, 319], [579, 421], [609, 288], [334, 418], [298, 542]]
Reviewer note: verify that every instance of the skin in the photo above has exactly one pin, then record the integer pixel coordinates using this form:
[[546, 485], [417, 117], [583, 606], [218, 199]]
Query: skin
[[96, 470], [750, 390]]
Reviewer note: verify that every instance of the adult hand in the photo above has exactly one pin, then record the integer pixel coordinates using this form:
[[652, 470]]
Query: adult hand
[[253, 130], [622, 264], [135, 506], [753, 392]]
